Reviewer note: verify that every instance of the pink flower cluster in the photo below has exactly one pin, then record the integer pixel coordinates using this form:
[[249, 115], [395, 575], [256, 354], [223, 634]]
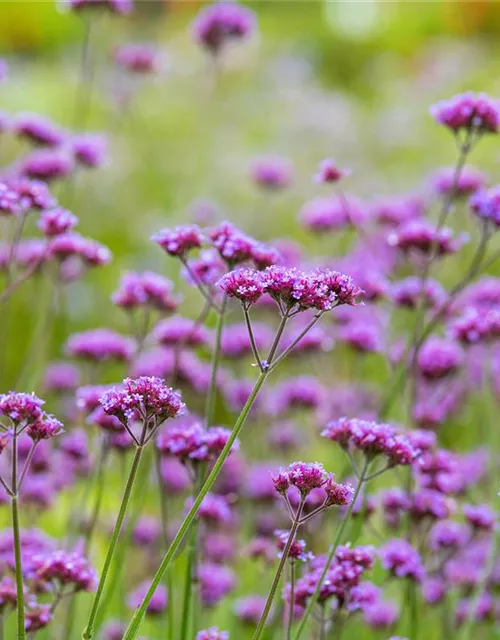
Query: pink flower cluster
[[146, 289], [221, 22], [469, 111], [193, 443]]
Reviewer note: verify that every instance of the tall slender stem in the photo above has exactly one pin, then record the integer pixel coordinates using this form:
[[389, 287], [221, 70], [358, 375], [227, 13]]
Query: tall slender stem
[[340, 531], [212, 391], [89, 629], [90, 530], [279, 571], [291, 606], [277, 338], [253, 344], [294, 343], [136, 621], [21, 632]]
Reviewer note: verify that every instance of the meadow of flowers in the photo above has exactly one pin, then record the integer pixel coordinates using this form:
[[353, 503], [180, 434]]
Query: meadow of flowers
[[271, 424]]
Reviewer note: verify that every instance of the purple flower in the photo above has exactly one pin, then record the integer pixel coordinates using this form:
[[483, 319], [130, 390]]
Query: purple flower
[[402, 560], [100, 345], [422, 237], [136, 58], [470, 111], [53, 222], [433, 590], [250, 609], [21, 407], [158, 602], [68, 245], [447, 534], [439, 358], [329, 173], [480, 516], [305, 476], [38, 130], [37, 617], [119, 7], [324, 214], [408, 293], [44, 427], [214, 509], [64, 569], [212, 633], [145, 289], [233, 245], [244, 284], [33, 194], [485, 203], [90, 149], [180, 331], [381, 615], [60, 377], [47, 164], [174, 475], [215, 583], [178, 241], [113, 630], [217, 24], [470, 179], [272, 173], [219, 547], [147, 531], [207, 268], [188, 440], [337, 495], [396, 210], [148, 397]]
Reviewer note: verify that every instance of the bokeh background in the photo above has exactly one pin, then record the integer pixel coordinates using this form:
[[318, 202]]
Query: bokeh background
[[352, 80]]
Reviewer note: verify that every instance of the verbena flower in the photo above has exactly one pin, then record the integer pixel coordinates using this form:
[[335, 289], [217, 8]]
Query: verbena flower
[[444, 181], [272, 173], [119, 7], [402, 560], [179, 241], [215, 583], [100, 345], [485, 203], [38, 130], [422, 237], [220, 23], [329, 172], [468, 111], [90, 149], [146, 289], [148, 397], [212, 633], [53, 222], [250, 608], [158, 602], [181, 332], [136, 58]]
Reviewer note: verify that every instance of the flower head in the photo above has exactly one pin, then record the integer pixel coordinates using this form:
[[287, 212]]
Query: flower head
[[328, 172], [468, 111], [21, 407], [221, 22], [178, 241], [100, 345], [244, 284], [485, 203], [53, 222], [148, 397], [136, 58]]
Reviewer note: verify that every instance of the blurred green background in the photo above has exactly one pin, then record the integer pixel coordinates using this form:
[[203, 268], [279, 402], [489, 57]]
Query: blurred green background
[[352, 80]]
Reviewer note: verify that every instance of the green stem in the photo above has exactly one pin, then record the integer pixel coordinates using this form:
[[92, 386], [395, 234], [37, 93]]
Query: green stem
[[90, 530], [277, 576], [212, 391], [136, 621], [340, 531], [291, 606], [89, 629], [21, 633]]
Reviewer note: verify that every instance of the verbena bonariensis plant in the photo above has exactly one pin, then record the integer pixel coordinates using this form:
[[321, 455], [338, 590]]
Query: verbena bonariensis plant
[[212, 510]]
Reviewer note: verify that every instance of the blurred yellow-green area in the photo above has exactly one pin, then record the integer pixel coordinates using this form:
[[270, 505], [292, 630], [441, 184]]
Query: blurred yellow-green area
[[352, 80]]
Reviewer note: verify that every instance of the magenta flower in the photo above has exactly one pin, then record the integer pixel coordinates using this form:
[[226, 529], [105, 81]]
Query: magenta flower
[[485, 203], [119, 7], [178, 241], [10, 203], [146, 289], [304, 476], [221, 22], [212, 633], [402, 560], [422, 237], [250, 608], [470, 180], [38, 130], [33, 194], [244, 284], [329, 173], [148, 397], [215, 583], [181, 331], [64, 569], [37, 617], [90, 149], [136, 58], [439, 358], [21, 407], [158, 602], [47, 164], [54, 222], [337, 495], [272, 173], [44, 428], [469, 111], [100, 345]]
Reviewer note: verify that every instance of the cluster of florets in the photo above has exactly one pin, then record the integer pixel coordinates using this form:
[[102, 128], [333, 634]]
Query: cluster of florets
[[448, 534], [54, 222], [64, 569], [306, 477], [114, 6], [329, 172], [38, 130], [148, 398], [100, 345], [439, 357], [181, 331], [146, 289], [373, 439], [235, 247], [38, 616], [216, 582], [73, 245], [469, 112], [343, 575], [44, 428], [410, 291], [90, 149], [136, 58], [158, 602], [214, 509], [180, 240], [212, 633], [193, 443], [422, 237], [207, 268], [272, 172], [485, 203], [25, 411], [297, 549], [467, 182], [221, 22], [292, 289], [402, 560]]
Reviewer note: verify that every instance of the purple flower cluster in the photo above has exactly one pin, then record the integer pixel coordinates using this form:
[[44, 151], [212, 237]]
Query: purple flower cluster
[[146, 289], [221, 22], [468, 111]]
